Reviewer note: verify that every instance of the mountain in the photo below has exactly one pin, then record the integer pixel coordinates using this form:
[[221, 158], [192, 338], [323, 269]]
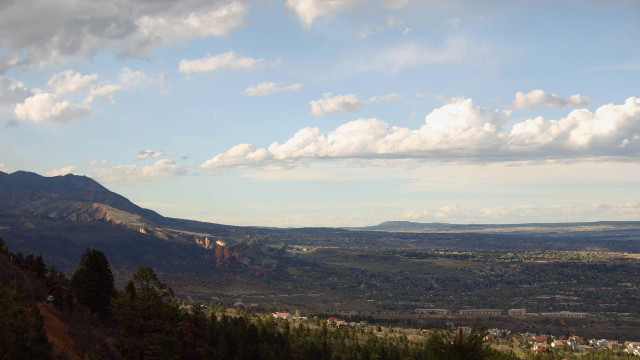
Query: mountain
[[61, 216], [48, 195]]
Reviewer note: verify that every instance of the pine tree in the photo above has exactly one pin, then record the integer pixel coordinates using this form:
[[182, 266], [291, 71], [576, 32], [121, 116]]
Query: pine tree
[[38, 266], [92, 282], [148, 319], [22, 334]]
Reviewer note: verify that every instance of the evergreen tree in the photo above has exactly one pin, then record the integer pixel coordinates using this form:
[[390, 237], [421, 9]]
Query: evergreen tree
[[92, 282], [148, 319], [3, 247], [38, 266], [450, 345], [22, 334]]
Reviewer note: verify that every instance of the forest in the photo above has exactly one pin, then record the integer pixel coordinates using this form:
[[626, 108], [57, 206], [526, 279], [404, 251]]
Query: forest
[[145, 320]]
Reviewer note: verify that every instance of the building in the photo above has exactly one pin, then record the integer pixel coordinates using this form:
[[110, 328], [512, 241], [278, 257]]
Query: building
[[517, 312], [283, 315], [481, 312], [433, 311], [565, 315]]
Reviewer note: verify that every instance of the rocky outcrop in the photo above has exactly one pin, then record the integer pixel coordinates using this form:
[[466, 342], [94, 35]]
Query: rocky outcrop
[[226, 256], [205, 243]]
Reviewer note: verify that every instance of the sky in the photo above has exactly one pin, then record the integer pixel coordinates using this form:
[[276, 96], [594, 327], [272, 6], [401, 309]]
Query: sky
[[294, 113]]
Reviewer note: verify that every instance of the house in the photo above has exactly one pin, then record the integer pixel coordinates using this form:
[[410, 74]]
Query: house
[[540, 347], [538, 339], [283, 315], [614, 345], [575, 341], [334, 319], [559, 343], [488, 337]]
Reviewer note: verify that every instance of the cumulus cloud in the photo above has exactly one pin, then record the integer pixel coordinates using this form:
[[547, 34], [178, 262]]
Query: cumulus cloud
[[610, 130], [308, 10], [335, 104], [540, 97], [458, 130], [128, 28], [268, 88], [70, 81], [11, 93], [161, 170], [51, 106], [48, 107], [62, 171], [144, 154], [224, 60]]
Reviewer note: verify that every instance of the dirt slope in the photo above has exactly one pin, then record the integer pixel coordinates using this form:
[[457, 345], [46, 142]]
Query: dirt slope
[[63, 345]]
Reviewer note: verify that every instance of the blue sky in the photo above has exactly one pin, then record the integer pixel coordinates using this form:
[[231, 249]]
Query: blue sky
[[331, 113]]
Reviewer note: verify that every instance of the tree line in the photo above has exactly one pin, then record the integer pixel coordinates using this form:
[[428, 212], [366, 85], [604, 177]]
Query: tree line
[[145, 320]]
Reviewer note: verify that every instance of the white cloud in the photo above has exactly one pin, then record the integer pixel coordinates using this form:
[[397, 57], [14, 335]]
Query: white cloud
[[143, 154], [161, 170], [335, 104], [131, 78], [538, 97], [459, 130], [456, 50], [62, 171], [105, 91], [393, 97], [268, 88], [154, 31], [46, 107], [241, 155], [211, 63], [70, 81], [395, 4], [4, 167], [65, 29], [38, 106], [610, 130], [11, 93], [308, 10]]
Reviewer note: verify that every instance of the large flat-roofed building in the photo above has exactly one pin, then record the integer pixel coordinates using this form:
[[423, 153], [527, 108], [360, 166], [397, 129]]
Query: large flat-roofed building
[[481, 312], [517, 312], [565, 315], [433, 311]]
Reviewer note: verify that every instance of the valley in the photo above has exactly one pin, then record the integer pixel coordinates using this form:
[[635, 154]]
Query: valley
[[397, 271]]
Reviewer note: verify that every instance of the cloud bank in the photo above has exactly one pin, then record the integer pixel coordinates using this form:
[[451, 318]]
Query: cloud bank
[[128, 28], [538, 97], [459, 130]]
